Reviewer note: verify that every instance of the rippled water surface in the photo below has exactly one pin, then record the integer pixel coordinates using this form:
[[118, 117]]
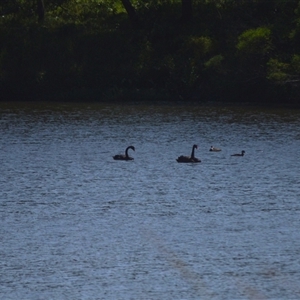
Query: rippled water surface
[[75, 224]]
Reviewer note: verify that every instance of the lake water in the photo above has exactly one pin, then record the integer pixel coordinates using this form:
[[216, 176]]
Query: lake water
[[76, 224]]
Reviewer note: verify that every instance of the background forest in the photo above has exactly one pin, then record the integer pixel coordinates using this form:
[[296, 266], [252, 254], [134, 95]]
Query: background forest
[[154, 50]]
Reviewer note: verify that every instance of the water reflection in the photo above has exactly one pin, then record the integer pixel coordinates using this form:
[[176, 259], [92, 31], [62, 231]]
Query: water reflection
[[77, 224]]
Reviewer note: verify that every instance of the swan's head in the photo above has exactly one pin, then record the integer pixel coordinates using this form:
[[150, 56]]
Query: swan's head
[[195, 146], [243, 152], [131, 147]]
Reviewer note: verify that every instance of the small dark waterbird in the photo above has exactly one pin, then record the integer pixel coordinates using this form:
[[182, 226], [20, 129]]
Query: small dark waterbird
[[189, 159], [214, 149], [239, 154], [124, 156]]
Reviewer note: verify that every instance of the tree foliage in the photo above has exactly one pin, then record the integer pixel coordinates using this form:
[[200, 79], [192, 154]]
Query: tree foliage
[[223, 50], [255, 41]]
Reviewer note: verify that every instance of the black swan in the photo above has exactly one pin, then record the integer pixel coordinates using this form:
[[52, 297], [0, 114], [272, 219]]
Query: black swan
[[214, 149], [126, 156], [189, 159], [239, 154]]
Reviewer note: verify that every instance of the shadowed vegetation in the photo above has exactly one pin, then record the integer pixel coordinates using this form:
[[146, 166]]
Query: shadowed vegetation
[[204, 50]]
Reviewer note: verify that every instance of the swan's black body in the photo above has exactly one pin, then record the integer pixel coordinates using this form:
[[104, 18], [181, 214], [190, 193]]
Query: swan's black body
[[126, 156], [189, 159]]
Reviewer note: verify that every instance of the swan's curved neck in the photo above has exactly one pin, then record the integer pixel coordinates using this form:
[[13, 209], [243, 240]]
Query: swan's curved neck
[[126, 152], [193, 152]]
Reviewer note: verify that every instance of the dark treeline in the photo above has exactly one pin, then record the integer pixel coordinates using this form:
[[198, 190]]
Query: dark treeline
[[106, 50]]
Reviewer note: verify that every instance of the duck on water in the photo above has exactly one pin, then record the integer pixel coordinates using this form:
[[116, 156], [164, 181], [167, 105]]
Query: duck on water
[[239, 154], [126, 156], [214, 149], [189, 159]]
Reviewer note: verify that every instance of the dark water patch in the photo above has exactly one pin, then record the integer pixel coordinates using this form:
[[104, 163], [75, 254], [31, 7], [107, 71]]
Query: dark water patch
[[77, 224]]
